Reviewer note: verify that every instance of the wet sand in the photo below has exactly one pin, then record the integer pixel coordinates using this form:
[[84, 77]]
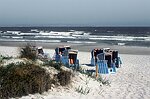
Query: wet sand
[[136, 50]]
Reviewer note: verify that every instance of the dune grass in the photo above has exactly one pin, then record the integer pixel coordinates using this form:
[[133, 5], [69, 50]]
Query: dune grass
[[2, 57], [56, 65], [28, 52], [18, 79], [64, 77], [23, 78]]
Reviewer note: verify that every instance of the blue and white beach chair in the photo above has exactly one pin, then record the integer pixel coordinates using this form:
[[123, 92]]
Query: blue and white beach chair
[[106, 60], [67, 56]]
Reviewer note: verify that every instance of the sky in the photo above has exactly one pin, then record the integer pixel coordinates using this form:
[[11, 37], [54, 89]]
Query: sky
[[74, 12]]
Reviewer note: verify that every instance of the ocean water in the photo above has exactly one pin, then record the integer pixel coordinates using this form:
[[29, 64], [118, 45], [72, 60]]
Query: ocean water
[[122, 36]]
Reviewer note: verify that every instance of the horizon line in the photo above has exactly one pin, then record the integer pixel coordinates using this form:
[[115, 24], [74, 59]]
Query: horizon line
[[74, 26]]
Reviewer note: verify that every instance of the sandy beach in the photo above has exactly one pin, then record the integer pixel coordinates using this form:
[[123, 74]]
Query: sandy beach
[[131, 81], [74, 49]]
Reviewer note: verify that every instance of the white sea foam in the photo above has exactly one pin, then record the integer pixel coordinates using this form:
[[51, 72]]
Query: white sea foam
[[53, 33], [72, 34], [25, 40], [17, 37], [71, 30], [34, 30], [13, 32], [28, 34], [120, 38], [5, 36], [121, 44], [70, 37]]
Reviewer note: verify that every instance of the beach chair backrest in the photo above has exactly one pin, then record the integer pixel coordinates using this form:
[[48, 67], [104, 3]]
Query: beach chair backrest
[[114, 55], [65, 53], [61, 50], [101, 56], [109, 59]]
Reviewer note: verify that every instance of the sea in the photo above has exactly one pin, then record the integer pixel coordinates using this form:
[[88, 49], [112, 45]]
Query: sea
[[121, 36]]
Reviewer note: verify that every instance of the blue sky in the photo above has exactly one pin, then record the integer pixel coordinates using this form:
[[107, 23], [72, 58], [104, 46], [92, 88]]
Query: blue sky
[[75, 12]]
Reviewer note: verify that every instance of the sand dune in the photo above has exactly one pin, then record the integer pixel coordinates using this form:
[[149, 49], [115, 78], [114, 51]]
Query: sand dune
[[132, 80]]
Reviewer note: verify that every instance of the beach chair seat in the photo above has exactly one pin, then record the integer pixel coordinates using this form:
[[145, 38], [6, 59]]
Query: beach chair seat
[[71, 61]]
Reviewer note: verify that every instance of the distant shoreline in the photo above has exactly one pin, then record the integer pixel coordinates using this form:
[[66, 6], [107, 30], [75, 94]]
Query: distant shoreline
[[135, 50]]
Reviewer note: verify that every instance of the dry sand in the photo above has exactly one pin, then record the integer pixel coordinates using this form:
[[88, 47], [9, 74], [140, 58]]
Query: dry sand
[[132, 80]]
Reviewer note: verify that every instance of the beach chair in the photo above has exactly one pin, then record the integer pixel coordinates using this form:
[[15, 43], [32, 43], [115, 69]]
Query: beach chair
[[105, 63], [94, 54], [59, 51], [42, 55], [40, 50], [73, 61], [67, 56]]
